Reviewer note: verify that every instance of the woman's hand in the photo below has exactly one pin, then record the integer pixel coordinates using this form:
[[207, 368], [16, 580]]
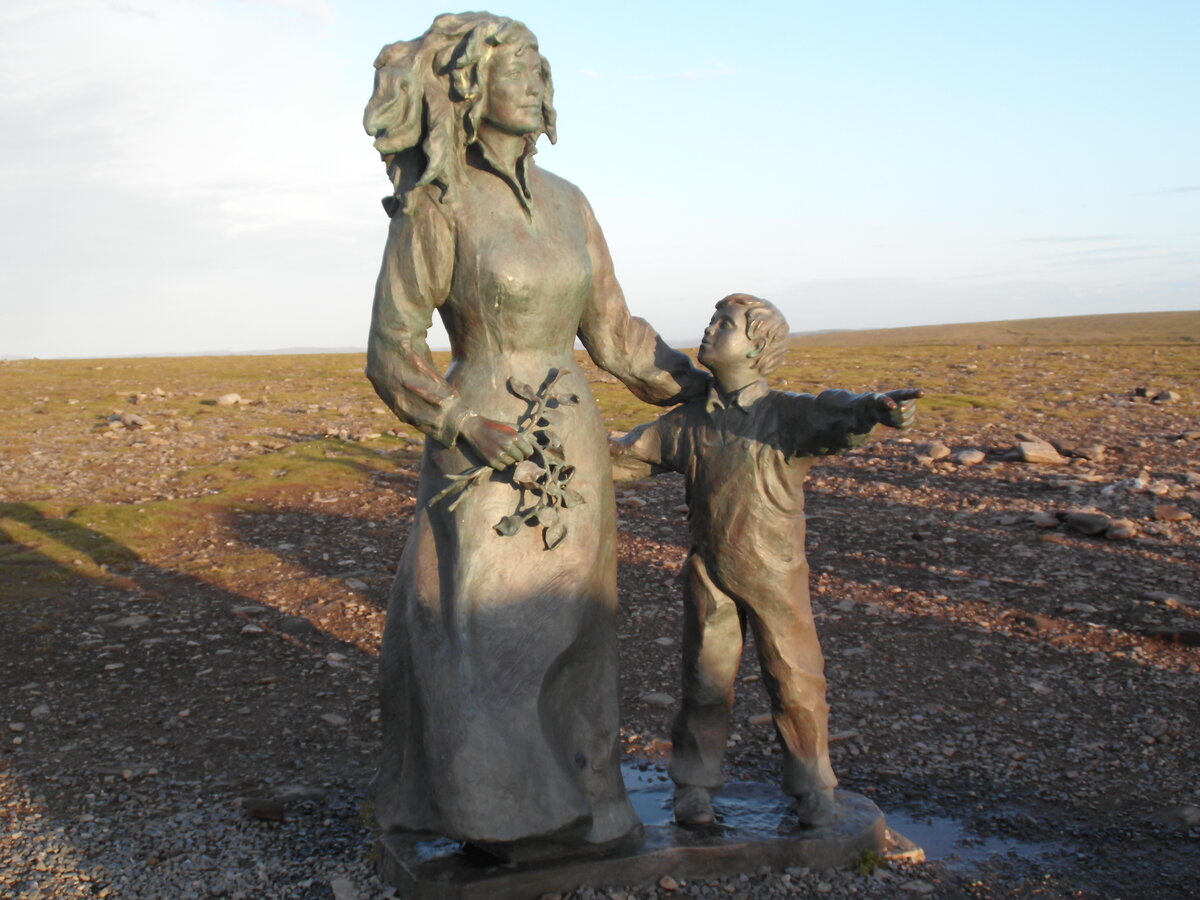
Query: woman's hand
[[497, 444]]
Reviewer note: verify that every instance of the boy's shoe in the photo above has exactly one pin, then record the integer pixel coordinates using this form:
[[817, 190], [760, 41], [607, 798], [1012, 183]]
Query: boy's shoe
[[693, 806], [817, 808]]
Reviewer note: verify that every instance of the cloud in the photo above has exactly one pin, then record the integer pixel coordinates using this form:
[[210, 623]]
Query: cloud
[[1071, 238], [179, 100], [182, 175], [1120, 256], [1181, 189], [1104, 251]]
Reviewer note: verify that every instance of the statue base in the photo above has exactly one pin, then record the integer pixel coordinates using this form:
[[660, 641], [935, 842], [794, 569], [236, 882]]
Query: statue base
[[755, 827]]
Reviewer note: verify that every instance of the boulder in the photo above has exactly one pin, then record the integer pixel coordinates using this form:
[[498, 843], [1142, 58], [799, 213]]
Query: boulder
[[1121, 530], [1040, 454], [935, 450], [1088, 523], [1165, 512]]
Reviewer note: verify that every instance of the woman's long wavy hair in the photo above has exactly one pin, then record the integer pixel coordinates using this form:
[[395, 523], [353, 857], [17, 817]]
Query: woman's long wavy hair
[[427, 104]]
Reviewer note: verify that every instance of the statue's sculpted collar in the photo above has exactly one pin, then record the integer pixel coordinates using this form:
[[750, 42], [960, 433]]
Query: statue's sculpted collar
[[743, 398], [516, 176]]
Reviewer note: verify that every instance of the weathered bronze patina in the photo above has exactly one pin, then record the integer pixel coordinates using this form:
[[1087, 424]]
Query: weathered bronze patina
[[499, 657], [745, 451]]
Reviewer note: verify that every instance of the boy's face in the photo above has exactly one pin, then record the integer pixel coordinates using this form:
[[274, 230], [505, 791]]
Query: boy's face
[[725, 342]]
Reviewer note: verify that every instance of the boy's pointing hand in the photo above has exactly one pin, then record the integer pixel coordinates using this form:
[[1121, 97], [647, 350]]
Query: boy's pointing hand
[[898, 409]]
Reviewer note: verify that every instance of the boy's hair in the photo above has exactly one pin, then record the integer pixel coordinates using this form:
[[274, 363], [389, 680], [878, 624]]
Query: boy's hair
[[764, 322]]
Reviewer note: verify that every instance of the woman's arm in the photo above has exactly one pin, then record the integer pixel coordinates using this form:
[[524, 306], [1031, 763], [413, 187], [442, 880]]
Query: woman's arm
[[625, 345], [414, 280]]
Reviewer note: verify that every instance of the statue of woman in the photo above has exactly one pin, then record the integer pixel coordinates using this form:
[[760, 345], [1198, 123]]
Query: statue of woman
[[499, 659]]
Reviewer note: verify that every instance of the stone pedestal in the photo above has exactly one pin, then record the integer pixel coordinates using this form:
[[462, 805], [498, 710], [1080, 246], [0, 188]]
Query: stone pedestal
[[755, 827]]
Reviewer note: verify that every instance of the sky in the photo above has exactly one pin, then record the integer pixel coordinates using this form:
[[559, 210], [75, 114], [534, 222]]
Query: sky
[[186, 176]]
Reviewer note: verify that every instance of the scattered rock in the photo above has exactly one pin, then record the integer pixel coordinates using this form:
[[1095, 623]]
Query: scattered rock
[[1159, 596], [1036, 621], [1179, 816], [934, 450], [1165, 397], [297, 626], [292, 794], [137, 621], [253, 629], [1167, 513], [1121, 530], [1136, 485], [41, 711], [656, 698], [231, 400], [969, 457], [132, 420], [667, 883], [1085, 608], [266, 809], [1087, 522], [1040, 454], [334, 719], [900, 849], [1090, 452], [1044, 519], [343, 889], [1186, 636]]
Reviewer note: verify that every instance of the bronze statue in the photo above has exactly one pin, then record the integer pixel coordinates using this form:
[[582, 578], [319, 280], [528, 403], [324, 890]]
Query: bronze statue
[[499, 659], [745, 451]]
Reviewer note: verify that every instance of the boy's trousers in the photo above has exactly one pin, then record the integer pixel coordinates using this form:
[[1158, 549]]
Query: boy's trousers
[[792, 672]]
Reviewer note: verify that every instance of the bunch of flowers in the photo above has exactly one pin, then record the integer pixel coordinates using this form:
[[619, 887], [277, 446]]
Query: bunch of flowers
[[543, 479]]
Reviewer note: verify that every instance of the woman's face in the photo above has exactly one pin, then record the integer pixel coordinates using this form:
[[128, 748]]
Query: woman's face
[[514, 89]]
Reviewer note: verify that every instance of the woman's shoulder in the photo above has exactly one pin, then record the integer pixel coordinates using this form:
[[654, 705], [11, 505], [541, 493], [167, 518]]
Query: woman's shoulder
[[545, 181], [419, 207]]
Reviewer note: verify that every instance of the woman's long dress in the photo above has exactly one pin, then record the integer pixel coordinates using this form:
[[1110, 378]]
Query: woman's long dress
[[499, 659]]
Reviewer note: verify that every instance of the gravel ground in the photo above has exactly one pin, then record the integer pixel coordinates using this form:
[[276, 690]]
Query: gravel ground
[[203, 723]]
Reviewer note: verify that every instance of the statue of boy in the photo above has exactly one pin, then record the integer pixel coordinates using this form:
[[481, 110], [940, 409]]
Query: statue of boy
[[745, 451]]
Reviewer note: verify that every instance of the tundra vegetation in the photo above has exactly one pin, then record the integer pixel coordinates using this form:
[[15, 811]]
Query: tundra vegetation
[[195, 554]]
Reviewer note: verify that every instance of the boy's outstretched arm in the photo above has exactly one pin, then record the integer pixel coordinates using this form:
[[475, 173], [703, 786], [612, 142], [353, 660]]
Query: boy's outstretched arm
[[639, 454], [838, 420]]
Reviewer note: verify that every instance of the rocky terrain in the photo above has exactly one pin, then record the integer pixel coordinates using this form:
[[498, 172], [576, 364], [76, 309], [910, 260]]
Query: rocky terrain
[[1008, 596]]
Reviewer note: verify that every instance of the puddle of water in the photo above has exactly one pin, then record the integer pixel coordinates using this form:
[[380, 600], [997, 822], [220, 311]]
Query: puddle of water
[[951, 840], [947, 840], [650, 792]]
